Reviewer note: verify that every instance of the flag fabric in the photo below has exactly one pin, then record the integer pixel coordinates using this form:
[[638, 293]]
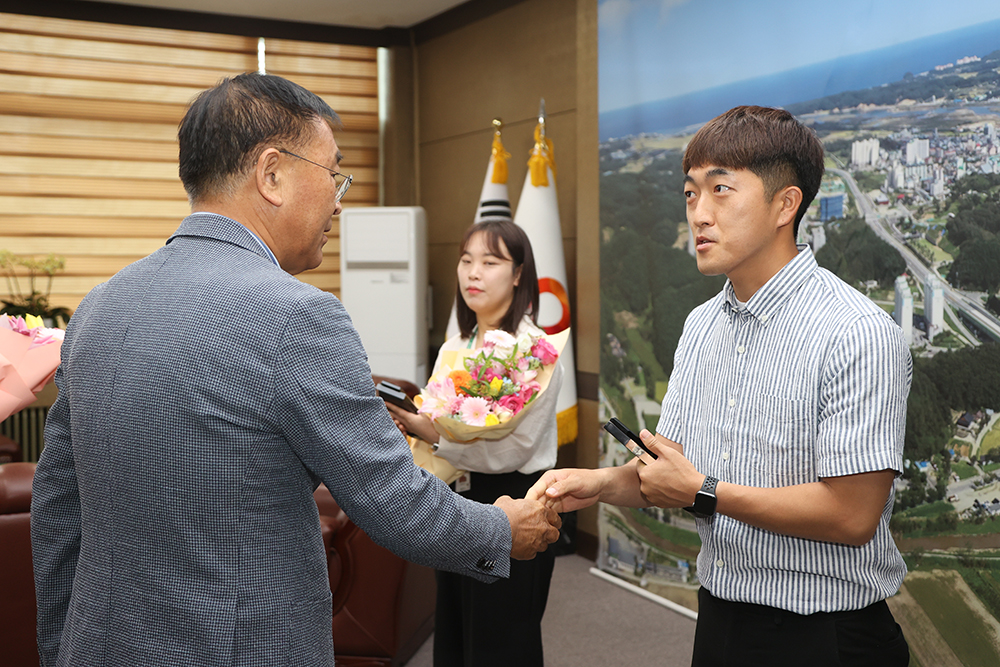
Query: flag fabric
[[538, 215], [494, 201]]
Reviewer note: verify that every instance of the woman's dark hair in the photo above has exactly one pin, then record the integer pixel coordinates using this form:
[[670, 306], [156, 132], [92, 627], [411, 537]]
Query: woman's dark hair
[[227, 127], [525, 301]]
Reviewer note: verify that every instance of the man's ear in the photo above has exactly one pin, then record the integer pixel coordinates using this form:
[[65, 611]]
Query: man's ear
[[787, 200], [268, 176]]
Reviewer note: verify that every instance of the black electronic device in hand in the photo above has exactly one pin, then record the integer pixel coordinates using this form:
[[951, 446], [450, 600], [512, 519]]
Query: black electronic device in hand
[[394, 394], [629, 439]]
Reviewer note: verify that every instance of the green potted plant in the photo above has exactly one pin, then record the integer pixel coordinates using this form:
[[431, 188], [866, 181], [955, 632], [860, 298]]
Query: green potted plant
[[33, 301]]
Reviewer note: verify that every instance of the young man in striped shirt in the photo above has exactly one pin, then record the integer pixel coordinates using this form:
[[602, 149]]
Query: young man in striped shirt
[[782, 427]]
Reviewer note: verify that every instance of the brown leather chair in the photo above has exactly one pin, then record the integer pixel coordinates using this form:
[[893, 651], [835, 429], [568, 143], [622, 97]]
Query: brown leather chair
[[18, 644], [383, 606], [10, 451]]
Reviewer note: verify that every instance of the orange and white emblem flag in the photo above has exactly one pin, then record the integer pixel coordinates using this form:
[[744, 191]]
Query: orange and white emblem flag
[[538, 214]]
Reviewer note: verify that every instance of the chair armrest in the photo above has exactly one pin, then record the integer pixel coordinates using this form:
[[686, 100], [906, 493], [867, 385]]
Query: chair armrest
[[15, 487], [334, 564]]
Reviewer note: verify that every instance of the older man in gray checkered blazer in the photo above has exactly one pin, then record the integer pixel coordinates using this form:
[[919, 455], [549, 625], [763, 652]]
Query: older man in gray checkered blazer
[[204, 393]]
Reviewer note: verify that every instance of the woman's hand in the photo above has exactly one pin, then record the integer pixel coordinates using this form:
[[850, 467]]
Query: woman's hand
[[415, 424]]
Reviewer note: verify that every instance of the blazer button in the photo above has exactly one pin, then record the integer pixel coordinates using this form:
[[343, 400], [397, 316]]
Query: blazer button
[[485, 564]]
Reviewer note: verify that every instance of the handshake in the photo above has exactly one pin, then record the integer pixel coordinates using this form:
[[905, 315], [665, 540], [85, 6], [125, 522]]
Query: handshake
[[669, 481], [534, 520], [534, 525]]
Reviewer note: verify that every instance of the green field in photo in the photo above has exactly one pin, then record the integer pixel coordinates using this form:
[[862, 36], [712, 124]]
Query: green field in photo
[[967, 634]]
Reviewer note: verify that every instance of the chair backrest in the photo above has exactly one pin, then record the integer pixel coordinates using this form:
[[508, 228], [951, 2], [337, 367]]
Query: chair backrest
[[17, 583], [383, 606], [9, 450]]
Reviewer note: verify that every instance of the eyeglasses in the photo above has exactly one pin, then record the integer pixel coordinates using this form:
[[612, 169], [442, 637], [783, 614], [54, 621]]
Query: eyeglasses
[[342, 185]]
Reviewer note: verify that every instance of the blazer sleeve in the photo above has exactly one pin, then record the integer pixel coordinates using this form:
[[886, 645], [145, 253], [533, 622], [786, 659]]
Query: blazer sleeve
[[55, 527], [339, 428]]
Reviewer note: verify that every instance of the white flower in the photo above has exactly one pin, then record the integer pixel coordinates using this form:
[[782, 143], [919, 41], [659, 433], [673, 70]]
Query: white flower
[[501, 342], [524, 343]]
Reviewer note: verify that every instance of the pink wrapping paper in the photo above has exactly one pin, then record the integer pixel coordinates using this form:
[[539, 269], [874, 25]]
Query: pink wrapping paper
[[24, 369]]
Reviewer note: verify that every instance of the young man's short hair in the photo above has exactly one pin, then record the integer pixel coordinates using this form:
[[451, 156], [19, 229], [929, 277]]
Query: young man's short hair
[[771, 143]]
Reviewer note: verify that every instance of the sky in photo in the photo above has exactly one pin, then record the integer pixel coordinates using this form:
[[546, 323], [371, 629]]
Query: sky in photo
[[655, 49]]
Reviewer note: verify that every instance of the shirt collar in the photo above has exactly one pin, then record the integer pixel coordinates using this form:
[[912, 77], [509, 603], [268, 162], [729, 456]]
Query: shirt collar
[[264, 246], [220, 227], [775, 292]]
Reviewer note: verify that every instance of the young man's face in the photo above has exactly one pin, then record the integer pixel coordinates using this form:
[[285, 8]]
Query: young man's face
[[735, 227]]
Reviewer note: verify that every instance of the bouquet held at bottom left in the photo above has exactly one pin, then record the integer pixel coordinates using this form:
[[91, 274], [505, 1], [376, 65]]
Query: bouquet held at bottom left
[[29, 356]]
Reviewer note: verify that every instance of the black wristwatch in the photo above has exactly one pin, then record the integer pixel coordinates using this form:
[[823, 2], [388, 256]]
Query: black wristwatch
[[704, 500]]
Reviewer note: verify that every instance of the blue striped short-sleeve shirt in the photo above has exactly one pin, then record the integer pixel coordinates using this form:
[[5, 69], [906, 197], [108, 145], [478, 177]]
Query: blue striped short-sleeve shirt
[[808, 380]]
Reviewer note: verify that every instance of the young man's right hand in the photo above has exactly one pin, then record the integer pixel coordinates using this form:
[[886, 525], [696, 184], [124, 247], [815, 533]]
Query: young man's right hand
[[533, 526], [567, 489]]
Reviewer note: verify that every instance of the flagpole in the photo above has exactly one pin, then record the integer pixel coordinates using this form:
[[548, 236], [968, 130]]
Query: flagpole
[[538, 214]]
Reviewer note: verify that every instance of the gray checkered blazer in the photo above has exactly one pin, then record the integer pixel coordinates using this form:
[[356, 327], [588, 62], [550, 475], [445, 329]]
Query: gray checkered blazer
[[204, 393]]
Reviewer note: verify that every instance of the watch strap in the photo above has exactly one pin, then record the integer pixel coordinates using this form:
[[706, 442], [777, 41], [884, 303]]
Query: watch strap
[[708, 486], [707, 489]]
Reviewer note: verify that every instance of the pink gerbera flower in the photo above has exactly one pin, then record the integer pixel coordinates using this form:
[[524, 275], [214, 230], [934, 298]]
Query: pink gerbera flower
[[474, 410]]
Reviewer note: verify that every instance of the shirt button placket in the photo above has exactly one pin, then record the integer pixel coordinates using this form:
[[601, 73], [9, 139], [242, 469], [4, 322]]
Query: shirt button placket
[[741, 328]]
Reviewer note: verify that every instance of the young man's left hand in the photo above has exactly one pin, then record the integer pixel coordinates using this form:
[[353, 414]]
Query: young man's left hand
[[671, 480]]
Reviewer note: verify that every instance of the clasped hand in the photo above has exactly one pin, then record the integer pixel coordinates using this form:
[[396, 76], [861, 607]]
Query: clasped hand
[[669, 481], [534, 525]]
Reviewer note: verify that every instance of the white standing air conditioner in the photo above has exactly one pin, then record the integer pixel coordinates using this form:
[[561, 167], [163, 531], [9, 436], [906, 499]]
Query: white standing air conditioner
[[383, 286]]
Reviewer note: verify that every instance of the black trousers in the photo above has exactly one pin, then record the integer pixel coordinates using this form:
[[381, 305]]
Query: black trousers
[[499, 624], [747, 635]]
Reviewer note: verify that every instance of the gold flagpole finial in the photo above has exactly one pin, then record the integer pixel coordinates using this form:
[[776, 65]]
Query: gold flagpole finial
[[541, 159], [497, 124]]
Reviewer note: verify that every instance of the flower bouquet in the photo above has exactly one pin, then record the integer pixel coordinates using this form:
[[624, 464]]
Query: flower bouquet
[[29, 356], [485, 393]]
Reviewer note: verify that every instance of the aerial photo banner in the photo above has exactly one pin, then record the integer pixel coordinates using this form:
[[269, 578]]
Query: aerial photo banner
[[905, 96]]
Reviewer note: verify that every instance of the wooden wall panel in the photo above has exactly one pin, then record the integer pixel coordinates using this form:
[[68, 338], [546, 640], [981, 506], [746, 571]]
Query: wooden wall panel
[[40, 25], [88, 145], [78, 127], [76, 226], [462, 88], [200, 58]]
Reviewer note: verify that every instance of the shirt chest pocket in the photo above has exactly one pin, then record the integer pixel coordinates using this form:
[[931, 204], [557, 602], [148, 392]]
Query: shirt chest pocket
[[780, 432]]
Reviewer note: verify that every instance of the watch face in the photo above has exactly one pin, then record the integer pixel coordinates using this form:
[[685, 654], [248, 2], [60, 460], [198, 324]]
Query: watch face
[[704, 504]]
